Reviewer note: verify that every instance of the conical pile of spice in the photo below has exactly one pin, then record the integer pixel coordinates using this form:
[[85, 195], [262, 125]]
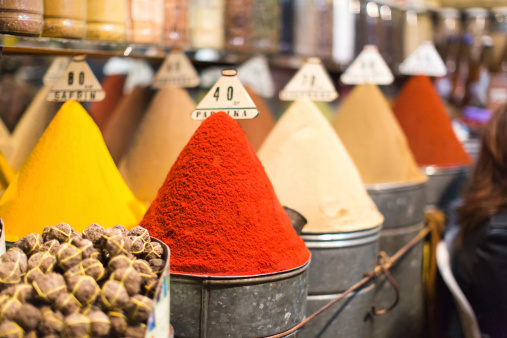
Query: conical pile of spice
[[69, 177], [313, 174], [164, 131], [218, 211], [258, 128], [427, 126], [31, 127], [102, 111], [6, 173], [125, 120], [374, 139], [5, 140]]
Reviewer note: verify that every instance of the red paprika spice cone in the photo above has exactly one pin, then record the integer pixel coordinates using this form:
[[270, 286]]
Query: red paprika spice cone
[[218, 211], [427, 126]]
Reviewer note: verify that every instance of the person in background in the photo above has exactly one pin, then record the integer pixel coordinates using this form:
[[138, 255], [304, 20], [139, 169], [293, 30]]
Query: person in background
[[479, 254]]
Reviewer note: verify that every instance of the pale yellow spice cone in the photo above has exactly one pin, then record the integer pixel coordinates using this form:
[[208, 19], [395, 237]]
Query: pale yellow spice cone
[[313, 174], [164, 131]]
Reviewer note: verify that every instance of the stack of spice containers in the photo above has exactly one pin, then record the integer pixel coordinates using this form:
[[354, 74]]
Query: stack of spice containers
[[429, 132], [69, 176], [313, 174], [378, 147], [237, 265]]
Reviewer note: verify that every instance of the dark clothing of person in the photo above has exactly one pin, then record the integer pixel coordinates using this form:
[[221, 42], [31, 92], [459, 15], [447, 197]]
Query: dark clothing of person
[[479, 265]]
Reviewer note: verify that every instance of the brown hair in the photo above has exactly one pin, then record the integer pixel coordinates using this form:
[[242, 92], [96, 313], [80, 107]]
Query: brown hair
[[487, 194]]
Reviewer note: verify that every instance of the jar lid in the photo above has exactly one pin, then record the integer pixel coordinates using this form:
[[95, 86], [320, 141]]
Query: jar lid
[[477, 12], [499, 10], [447, 12]]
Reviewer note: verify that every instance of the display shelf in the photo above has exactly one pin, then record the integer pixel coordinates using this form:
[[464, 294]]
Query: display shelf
[[20, 45]]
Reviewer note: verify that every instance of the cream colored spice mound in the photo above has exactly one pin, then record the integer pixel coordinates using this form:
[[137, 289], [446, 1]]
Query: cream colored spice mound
[[313, 174], [374, 139], [164, 131]]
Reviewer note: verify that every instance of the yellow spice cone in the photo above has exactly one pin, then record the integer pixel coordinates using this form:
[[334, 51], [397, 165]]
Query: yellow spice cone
[[6, 173], [69, 177]]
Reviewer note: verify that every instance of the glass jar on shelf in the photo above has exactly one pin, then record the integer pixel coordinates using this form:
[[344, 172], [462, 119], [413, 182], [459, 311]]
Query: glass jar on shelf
[[176, 23], [252, 25], [448, 27], [476, 26], [145, 21], [21, 17], [498, 33], [345, 19], [206, 24], [266, 24], [65, 19], [106, 20], [313, 28], [417, 28], [286, 43]]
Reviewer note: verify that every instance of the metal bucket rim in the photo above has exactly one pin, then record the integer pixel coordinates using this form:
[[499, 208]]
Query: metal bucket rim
[[245, 278], [341, 236], [433, 169], [394, 186], [365, 289]]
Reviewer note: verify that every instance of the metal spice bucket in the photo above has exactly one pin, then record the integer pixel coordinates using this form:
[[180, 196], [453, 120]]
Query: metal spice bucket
[[403, 208], [444, 184], [249, 306], [340, 259], [347, 318]]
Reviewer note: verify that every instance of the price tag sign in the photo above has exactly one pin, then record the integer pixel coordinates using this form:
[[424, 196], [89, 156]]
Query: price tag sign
[[78, 83], [158, 323], [256, 74], [227, 95], [368, 67], [177, 71], [56, 70], [425, 60], [312, 82]]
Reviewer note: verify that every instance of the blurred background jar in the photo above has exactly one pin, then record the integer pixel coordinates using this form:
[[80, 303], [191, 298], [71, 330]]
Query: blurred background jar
[[286, 26], [206, 24], [498, 32], [252, 25], [21, 17], [417, 29], [106, 20], [476, 26], [313, 28], [65, 19], [448, 27], [345, 20], [176, 23], [146, 19]]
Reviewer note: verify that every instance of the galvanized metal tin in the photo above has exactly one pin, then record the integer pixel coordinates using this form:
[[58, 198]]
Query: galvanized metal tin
[[347, 318], [407, 319], [340, 259], [445, 184], [203, 306], [401, 203]]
